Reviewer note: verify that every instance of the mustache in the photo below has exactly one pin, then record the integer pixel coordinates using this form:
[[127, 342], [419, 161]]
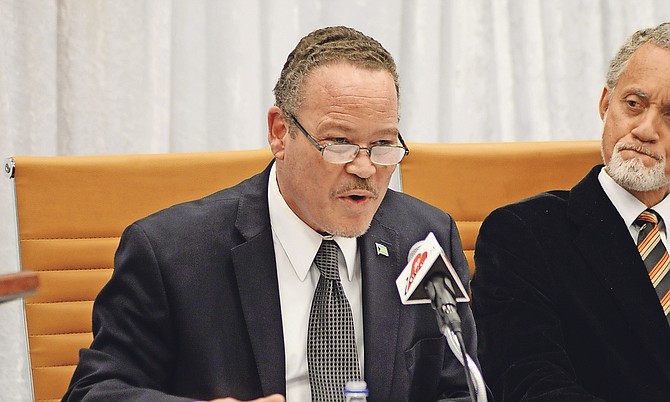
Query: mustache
[[358, 184], [637, 148]]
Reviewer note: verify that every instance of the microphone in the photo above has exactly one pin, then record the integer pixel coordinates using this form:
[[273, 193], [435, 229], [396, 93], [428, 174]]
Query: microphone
[[428, 264], [429, 277]]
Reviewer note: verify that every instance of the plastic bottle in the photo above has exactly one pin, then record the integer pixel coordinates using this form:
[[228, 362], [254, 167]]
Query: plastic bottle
[[356, 391]]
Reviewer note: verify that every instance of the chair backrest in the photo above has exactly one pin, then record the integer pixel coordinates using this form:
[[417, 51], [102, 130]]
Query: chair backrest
[[470, 180], [71, 212]]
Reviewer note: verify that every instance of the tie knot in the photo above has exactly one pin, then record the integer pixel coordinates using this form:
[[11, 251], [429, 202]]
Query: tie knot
[[647, 216], [326, 260]]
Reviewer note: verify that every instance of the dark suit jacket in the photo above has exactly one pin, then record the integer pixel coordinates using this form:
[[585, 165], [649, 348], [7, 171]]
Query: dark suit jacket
[[192, 308], [564, 308]]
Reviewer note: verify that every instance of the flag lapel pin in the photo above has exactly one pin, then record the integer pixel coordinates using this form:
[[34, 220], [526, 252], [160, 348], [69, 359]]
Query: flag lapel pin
[[381, 249]]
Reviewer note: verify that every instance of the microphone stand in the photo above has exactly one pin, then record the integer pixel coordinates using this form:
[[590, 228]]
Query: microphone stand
[[439, 291]]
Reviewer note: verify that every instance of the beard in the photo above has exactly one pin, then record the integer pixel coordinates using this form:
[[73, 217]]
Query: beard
[[348, 231], [632, 174]]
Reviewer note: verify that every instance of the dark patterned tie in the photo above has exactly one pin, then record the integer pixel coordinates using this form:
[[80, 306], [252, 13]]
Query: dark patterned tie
[[655, 256], [331, 343]]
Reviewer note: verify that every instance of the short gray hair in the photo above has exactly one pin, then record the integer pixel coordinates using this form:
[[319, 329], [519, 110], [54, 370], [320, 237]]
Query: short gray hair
[[323, 46], [659, 36]]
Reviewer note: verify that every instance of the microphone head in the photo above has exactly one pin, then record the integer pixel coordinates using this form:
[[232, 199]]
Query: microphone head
[[413, 250], [425, 260]]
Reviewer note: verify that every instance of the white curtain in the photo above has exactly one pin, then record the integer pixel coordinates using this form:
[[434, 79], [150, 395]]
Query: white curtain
[[133, 76]]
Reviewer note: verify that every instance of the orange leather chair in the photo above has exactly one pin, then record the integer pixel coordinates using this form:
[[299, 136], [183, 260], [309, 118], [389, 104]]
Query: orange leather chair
[[470, 180], [71, 212]]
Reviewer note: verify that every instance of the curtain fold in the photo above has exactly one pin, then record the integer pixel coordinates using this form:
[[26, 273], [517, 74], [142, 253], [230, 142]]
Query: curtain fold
[[144, 76]]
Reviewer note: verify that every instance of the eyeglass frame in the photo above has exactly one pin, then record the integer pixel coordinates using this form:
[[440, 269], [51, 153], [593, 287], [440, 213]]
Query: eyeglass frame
[[321, 148]]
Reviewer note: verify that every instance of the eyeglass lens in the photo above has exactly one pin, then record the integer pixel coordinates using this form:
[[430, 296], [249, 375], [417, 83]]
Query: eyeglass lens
[[379, 154]]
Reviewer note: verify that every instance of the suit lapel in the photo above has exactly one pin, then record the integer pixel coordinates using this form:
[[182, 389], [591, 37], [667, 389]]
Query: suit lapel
[[256, 273], [380, 318], [605, 242]]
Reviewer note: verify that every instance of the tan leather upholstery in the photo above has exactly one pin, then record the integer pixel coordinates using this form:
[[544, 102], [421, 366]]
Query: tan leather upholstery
[[470, 180], [71, 212]]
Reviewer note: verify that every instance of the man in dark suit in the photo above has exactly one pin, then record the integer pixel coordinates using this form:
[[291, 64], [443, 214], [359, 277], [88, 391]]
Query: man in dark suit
[[213, 298], [564, 304]]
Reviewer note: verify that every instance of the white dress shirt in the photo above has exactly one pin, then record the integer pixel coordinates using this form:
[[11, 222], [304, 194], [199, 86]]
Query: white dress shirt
[[630, 207], [295, 246]]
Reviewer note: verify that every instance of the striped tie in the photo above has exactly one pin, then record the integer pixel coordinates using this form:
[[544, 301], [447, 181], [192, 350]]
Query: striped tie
[[655, 256]]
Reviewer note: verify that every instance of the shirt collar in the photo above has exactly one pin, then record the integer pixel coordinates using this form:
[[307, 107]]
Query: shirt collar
[[626, 204], [299, 241]]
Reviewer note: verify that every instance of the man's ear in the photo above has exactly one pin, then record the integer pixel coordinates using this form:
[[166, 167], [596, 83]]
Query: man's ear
[[277, 131], [604, 102]]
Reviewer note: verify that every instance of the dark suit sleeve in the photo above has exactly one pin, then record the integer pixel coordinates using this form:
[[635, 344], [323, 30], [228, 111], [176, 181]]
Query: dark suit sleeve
[[133, 344], [521, 347]]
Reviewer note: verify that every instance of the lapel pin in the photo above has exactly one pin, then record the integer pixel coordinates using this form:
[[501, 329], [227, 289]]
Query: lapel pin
[[381, 249]]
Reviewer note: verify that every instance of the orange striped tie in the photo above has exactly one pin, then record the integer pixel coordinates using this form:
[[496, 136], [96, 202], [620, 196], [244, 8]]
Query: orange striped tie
[[655, 256]]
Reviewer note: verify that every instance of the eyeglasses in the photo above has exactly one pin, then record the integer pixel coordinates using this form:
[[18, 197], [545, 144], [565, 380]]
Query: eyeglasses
[[386, 155]]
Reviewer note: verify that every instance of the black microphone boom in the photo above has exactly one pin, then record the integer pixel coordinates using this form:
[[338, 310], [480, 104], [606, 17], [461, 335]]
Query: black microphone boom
[[439, 290]]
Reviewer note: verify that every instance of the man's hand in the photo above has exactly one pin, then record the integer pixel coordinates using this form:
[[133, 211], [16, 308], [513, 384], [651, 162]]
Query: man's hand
[[271, 398]]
